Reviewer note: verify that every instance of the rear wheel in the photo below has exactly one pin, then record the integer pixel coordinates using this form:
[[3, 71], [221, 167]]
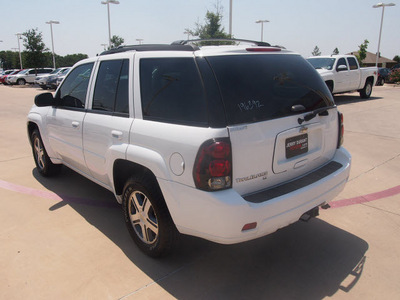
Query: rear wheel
[[147, 218], [367, 90], [42, 160]]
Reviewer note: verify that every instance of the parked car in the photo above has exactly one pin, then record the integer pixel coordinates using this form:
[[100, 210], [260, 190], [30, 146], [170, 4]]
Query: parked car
[[52, 80], [225, 143], [383, 76], [7, 73], [42, 79], [27, 76], [343, 74]]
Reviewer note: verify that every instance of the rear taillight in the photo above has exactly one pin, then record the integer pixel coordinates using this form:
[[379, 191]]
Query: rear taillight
[[213, 166], [341, 130]]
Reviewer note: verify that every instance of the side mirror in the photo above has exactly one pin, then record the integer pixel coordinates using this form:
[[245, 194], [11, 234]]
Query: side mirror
[[341, 68], [45, 99]]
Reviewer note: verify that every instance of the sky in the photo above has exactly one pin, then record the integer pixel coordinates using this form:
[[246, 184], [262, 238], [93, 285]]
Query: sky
[[297, 25]]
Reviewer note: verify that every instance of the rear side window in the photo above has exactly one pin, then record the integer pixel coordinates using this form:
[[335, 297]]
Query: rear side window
[[262, 87], [73, 91], [172, 91], [352, 63], [111, 91]]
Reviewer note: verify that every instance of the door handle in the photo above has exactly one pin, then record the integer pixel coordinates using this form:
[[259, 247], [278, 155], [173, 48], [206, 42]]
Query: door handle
[[75, 124], [116, 134]]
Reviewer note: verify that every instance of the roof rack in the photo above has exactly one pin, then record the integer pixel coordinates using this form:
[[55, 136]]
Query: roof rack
[[189, 42], [151, 47]]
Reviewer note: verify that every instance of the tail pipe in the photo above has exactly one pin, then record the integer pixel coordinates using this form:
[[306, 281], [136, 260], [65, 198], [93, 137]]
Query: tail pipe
[[312, 213]]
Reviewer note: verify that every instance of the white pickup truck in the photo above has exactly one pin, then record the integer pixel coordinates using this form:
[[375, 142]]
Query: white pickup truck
[[343, 74]]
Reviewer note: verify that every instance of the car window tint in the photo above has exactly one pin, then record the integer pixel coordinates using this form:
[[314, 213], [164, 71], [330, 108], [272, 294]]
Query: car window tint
[[106, 85], [352, 63], [341, 62], [172, 91], [122, 100], [73, 91], [111, 90], [262, 87]]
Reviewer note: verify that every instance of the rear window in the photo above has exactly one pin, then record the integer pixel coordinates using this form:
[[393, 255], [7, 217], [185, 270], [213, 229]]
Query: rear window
[[257, 88]]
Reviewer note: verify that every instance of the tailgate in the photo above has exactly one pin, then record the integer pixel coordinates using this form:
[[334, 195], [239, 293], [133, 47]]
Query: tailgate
[[269, 153]]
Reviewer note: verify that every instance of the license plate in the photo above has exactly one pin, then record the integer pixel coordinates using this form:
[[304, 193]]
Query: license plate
[[296, 145]]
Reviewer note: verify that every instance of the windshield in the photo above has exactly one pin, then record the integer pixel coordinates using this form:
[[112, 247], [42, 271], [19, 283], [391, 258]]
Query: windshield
[[55, 71], [24, 72], [322, 63], [262, 87]]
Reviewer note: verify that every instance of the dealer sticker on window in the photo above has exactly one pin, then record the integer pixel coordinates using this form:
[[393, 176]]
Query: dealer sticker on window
[[296, 145]]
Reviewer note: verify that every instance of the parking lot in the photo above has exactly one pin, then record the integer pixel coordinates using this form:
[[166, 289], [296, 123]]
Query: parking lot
[[65, 238]]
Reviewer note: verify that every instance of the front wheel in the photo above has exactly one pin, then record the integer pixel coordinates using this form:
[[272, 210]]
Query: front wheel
[[367, 90], [42, 160], [147, 218], [21, 81]]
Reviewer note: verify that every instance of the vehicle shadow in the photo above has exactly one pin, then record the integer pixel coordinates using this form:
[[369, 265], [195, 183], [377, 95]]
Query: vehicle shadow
[[303, 261], [343, 99]]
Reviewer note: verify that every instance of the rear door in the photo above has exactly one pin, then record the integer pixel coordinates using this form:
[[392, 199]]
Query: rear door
[[266, 97], [107, 122], [354, 74]]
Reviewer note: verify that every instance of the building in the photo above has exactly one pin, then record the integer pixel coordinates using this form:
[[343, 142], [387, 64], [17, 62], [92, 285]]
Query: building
[[370, 60]]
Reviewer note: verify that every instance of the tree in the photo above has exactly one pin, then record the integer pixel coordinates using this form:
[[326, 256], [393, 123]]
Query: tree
[[35, 48], [316, 51], [212, 28], [395, 75], [362, 53], [335, 51], [116, 41], [397, 58]]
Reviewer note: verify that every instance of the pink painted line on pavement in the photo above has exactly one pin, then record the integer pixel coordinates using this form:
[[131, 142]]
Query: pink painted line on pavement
[[29, 191], [366, 198], [53, 196]]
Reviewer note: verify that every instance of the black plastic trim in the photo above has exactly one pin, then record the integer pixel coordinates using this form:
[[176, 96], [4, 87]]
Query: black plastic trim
[[152, 47], [294, 185]]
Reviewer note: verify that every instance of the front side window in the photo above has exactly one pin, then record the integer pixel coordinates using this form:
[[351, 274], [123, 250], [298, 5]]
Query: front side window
[[172, 91], [73, 91], [111, 91], [341, 62]]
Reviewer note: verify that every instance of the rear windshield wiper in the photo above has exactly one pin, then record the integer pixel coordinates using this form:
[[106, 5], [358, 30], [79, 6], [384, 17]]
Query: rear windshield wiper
[[319, 111]]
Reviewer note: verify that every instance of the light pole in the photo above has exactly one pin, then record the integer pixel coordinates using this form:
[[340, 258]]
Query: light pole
[[380, 31], [188, 34], [230, 18], [19, 49], [52, 40], [262, 27], [108, 11]]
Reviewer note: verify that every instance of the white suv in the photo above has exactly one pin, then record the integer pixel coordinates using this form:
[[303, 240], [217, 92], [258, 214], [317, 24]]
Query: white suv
[[27, 76], [227, 143]]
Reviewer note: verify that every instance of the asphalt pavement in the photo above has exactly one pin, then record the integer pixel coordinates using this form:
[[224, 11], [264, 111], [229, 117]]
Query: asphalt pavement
[[64, 237]]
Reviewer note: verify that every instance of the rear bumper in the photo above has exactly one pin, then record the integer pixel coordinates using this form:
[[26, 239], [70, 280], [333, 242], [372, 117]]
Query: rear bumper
[[220, 216]]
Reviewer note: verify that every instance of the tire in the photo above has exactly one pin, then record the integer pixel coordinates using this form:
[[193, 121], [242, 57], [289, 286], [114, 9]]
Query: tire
[[147, 217], [21, 81], [43, 163], [366, 92], [382, 81]]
